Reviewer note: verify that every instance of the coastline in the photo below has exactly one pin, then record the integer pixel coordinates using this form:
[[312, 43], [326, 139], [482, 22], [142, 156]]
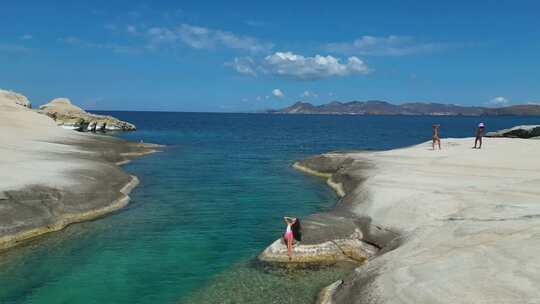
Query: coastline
[[337, 235], [108, 160], [8, 241], [337, 187], [436, 203], [53, 177]]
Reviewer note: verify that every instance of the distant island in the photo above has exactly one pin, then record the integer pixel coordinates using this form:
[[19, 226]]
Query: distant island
[[377, 107]]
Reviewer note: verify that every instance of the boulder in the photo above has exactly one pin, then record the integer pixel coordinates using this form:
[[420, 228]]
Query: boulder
[[325, 253], [69, 116], [526, 131], [16, 98], [326, 239]]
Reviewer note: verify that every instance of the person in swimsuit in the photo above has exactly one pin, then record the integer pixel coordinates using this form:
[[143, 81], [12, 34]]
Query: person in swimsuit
[[436, 138], [289, 236], [479, 134]]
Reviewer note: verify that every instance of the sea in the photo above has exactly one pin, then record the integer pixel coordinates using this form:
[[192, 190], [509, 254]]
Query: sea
[[207, 204]]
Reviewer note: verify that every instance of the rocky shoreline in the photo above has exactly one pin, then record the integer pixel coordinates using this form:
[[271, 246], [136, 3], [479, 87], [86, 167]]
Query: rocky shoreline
[[53, 177], [338, 235], [439, 223], [38, 209]]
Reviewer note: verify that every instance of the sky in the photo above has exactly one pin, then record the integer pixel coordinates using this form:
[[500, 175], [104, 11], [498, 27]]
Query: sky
[[243, 56]]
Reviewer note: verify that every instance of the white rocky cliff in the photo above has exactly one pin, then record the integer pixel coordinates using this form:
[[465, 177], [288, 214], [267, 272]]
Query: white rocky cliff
[[69, 116]]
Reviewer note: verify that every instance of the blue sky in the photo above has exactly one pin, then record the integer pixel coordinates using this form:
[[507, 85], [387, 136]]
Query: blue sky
[[247, 56]]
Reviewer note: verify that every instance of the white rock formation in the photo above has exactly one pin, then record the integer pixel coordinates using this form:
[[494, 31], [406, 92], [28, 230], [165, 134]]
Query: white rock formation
[[72, 117], [469, 220], [16, 98]]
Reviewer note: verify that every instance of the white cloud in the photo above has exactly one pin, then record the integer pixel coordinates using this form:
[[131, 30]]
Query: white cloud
[[144, 38], [131, 29], [309, 94], [205, 38], [499, 101], [278, 93], [243, 65], [385, 46], [288, 64], [27, 37]]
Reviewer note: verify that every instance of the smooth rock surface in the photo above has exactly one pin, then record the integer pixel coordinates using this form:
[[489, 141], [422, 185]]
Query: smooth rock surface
[[16, 98], [468, 220], [338, 235], [526, 131], [327, 293], [71, 117], [52, 177]]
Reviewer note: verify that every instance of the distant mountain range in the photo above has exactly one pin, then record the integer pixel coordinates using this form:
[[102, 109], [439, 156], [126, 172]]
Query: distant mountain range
[[377, 107]]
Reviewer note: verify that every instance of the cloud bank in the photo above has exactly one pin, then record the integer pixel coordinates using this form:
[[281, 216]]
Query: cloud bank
[[384, 46], [198, 37], [294, 66]]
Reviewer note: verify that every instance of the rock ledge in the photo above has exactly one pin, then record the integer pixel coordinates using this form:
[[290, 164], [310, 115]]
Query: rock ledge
[[525, 131], [69, 116]]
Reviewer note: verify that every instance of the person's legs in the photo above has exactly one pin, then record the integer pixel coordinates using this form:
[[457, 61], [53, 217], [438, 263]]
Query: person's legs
[[480, 140], [475, 142], [439, 142], [289, 247]]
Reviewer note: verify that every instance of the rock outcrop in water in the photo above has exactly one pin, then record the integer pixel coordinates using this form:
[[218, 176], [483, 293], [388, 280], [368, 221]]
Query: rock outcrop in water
[[525, 131], [327, 239], [69, 116], [338, 235], [52, 177]]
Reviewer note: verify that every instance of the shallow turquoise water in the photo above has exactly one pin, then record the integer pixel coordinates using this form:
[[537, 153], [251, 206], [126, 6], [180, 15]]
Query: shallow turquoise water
[[206, 206]]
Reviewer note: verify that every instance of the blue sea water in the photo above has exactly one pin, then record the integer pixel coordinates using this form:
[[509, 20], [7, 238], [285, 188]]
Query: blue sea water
[[206, 205]]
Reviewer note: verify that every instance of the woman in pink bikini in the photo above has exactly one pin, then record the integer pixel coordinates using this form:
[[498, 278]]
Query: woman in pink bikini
[[291, 232]]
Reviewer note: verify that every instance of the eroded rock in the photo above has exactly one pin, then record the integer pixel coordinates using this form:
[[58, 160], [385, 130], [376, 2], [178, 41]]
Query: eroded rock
[[525, 131], [69, 116], [329, 252], [326, 239], [16, 98]]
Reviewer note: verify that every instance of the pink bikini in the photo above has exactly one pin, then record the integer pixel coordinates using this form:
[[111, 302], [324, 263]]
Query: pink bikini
[[288, 233]]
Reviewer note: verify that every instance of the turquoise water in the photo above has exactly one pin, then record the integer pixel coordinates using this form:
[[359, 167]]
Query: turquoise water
[[206, 206]]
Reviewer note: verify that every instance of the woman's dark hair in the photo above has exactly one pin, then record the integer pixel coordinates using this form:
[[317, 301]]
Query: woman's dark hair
[[297, 230]]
